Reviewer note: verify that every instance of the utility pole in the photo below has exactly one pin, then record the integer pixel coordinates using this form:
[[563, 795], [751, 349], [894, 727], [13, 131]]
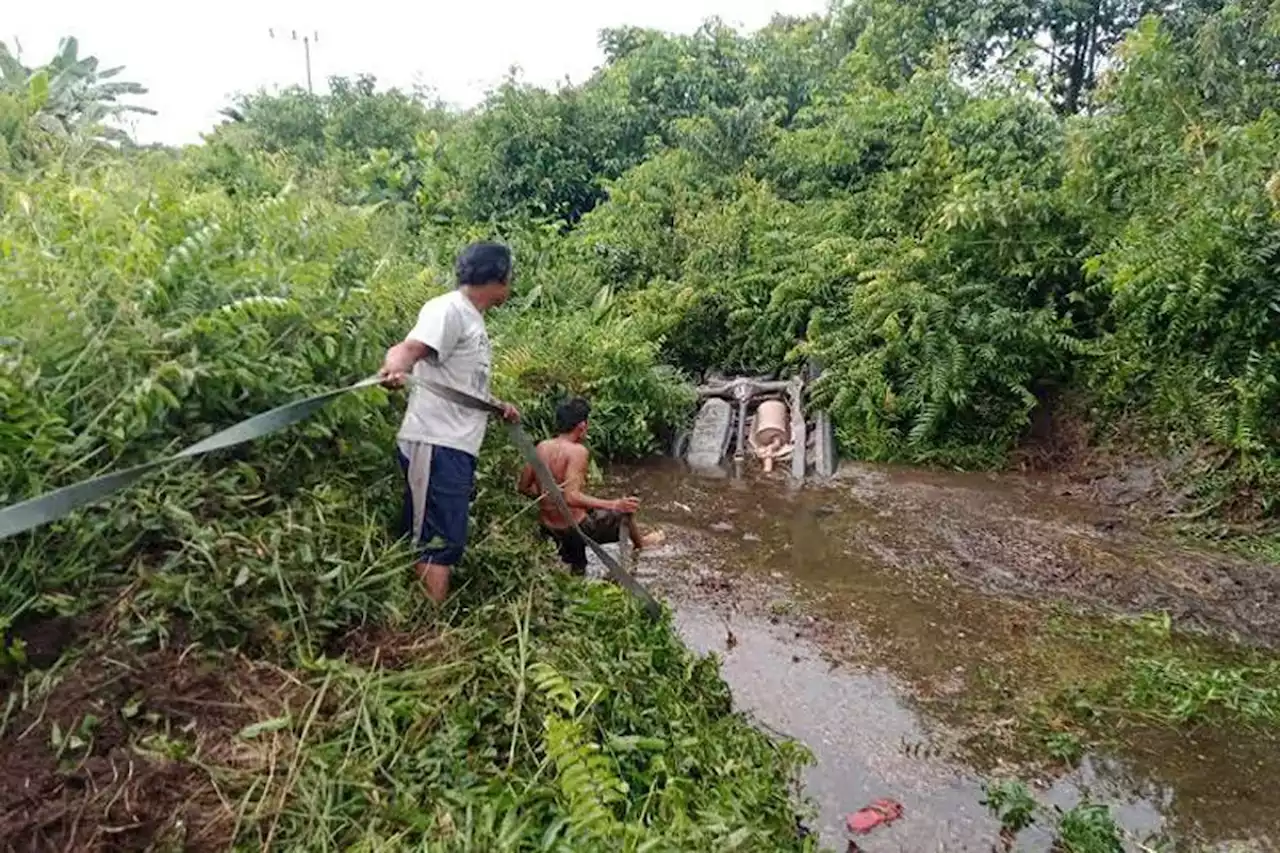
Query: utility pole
[[306, 49], [307, 41]]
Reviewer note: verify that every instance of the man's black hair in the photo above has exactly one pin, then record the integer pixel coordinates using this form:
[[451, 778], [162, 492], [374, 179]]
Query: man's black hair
[[570, 413], [484, 263]]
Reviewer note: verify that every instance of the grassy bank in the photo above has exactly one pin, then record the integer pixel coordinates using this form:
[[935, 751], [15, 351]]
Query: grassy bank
[[538, 713], [1079, 681], [233, 653], [1136, 689]]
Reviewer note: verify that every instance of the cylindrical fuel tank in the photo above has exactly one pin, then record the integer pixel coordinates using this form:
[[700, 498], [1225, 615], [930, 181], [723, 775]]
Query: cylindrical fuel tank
[[771, 422]]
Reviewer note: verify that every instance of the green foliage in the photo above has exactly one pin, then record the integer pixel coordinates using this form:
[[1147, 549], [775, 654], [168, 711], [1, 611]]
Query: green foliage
[[879, 189], [876, 189], [69, 95], [552, 718], [1155, 674], [1192, 269], [144, 308], [963, 264], [1087, 827], [1179, 692], [932, 274], [586, 778], [142, 312], [956, 256], [537, 154], [1064, 746], [1011, 803], [148, 300], [66, 107], [353, 119], [634, 401]]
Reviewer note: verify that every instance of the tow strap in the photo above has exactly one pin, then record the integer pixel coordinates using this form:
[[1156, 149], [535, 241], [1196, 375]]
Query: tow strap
[[52, 506], [549, 486]]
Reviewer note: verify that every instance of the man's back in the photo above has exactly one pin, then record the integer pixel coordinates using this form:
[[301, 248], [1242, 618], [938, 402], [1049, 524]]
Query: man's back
[[454, 331], [566, 460], [598, 520]]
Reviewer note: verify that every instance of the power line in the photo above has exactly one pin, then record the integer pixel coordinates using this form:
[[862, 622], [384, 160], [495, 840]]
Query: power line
[[307, 41]]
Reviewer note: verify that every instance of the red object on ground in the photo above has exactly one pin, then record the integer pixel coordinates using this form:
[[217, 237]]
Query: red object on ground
[[881, 811]]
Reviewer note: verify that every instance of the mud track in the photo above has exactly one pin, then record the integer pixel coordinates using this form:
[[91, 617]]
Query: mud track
[[110, 757], [1019, 536], [1012, 535]]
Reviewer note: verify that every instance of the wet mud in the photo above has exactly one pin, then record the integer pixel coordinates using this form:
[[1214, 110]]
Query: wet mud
[[891, 620], [111, 757]]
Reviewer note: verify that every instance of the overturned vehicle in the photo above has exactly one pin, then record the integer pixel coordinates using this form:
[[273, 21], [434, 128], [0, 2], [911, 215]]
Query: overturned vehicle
[[758, 421]]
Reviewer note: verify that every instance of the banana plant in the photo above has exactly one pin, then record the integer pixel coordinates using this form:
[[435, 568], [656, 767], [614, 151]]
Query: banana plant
[[70, 96]]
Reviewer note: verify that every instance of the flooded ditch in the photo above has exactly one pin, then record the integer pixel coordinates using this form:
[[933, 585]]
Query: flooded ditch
[[899, 622]]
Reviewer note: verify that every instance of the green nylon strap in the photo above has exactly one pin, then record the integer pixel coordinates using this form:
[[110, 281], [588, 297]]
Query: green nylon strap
[[29, 514], [52, 506]]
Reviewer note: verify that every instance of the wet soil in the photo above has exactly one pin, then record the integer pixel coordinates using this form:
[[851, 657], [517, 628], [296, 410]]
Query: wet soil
[[900, 622], [42, 641], [379, 646], [1007, 534], [107, 753]]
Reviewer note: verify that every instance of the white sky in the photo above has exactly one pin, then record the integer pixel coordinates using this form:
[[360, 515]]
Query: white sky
[[193, 61]]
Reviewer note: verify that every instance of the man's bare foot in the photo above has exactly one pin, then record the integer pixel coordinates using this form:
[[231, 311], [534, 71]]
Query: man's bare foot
[[652, 539]]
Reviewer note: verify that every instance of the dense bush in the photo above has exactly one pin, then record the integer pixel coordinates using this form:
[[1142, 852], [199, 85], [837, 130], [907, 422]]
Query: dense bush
[[885, 189], [958, 228], [1178, 181], [145, 304], [954, 252]]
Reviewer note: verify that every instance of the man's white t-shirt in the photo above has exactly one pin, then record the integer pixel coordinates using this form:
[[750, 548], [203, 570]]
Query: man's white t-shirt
[[454, 328]]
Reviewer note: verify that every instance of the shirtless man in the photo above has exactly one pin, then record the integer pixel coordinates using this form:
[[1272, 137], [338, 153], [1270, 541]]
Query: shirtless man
[[566, 458]]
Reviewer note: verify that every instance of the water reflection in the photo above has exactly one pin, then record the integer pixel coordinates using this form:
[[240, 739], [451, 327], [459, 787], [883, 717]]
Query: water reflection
[[878, 557]]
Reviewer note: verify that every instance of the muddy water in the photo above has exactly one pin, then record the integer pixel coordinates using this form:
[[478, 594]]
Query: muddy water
[[891, 621]]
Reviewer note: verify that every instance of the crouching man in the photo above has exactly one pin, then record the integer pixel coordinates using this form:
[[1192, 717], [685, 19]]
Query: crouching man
[[439, 440], [566, 457]]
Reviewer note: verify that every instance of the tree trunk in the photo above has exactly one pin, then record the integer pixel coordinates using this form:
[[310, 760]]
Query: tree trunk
[[1083, 57]]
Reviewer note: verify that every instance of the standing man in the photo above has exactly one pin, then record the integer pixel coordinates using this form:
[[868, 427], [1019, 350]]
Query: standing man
[[439, 440], [566, 458]]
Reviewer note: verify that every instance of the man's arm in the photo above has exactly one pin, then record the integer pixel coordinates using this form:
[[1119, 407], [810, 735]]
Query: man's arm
[[576, 477], [434, 335], [400, 360]]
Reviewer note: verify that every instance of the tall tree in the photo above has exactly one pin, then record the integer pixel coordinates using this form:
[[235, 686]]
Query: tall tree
[[1062, 44]]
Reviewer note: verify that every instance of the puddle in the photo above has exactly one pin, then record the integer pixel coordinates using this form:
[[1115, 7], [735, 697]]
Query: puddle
[[867, 616], [869, 744]]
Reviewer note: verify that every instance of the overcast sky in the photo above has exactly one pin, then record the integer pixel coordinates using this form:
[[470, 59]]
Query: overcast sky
[[192, 61]]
